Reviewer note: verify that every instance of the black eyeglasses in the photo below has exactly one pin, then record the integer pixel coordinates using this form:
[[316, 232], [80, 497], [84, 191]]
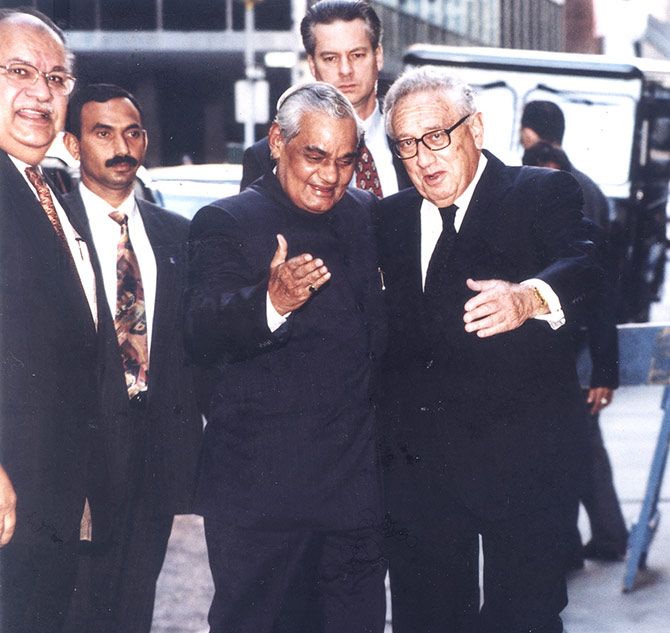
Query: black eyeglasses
[[434, 140], [23, 75]]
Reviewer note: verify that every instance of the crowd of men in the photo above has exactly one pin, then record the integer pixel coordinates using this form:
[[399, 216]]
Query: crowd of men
[[377, 328]]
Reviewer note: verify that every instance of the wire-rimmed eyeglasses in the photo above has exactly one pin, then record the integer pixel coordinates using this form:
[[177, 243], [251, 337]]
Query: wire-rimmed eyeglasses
[[434, 140], [24, 74]]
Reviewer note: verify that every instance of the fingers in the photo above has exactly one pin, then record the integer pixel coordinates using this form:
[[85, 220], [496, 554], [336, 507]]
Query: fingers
[[7, 508], [498, 307], [292, 282], [280, 254], [599, 398]]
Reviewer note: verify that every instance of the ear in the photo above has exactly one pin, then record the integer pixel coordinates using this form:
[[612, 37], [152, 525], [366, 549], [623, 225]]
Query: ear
[[275, 141], [379, 57], [477, 129], [312, 66], [146, 139], [71, 143]]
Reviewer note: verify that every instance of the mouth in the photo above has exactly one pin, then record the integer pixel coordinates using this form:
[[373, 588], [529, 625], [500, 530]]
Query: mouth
[[34, 114], [433, 178], [122, 163], [346, 87], [323, 192]]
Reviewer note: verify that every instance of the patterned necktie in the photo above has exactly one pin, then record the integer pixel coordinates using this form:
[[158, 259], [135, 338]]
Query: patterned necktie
[[439, 258], [37, 180], [367, 177], [130, 320]]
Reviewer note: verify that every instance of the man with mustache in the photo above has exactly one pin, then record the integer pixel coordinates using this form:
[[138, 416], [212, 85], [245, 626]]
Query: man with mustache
[[147, 393], [48, 321]]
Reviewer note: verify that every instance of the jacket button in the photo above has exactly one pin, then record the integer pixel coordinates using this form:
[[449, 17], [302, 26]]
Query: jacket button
[[429, 363], [177, 409]]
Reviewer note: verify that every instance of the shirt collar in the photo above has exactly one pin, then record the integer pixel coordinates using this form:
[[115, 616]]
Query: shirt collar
[[94, 201]]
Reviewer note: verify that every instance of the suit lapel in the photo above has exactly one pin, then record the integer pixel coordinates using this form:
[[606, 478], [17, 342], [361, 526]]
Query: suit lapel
[[169, 254], [40, 237]]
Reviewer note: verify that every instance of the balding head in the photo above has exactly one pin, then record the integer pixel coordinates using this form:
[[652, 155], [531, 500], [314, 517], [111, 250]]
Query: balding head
[[31, 114]]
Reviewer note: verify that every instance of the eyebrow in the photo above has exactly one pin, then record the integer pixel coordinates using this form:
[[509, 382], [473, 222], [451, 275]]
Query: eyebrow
[[18, 60], [106, 126], [358, 49]]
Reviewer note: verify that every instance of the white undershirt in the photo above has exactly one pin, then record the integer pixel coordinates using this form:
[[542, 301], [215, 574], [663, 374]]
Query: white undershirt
[[78, 249], [431, 227], [377, 142], [106, 232]]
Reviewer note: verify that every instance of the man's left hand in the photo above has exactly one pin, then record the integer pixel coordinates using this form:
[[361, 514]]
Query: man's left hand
[[499, 306], [599, 398]]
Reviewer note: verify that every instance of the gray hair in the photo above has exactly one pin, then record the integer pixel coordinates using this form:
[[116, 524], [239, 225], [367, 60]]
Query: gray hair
[[32, 17], [314, 96], [428, 79]]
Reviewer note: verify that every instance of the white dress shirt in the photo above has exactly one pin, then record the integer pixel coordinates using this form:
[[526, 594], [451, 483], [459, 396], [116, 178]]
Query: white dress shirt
[[377, 142], [106, 233], [78, 249], [431, 227]]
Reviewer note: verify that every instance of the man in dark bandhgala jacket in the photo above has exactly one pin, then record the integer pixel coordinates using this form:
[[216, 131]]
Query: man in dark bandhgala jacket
[[285, 306]]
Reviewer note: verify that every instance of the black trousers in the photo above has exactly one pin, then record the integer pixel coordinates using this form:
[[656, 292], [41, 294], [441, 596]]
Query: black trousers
[[598, 495], [36, 583], [296, 581], [434, 572]]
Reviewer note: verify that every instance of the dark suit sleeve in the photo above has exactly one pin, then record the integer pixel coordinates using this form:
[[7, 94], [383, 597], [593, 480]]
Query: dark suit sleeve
[[226, 295], [255, 162], [600, 323], [571, 262]]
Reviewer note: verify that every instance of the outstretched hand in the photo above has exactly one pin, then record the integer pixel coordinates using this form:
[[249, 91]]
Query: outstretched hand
[[7, 508], [499, 306], [293, 282]]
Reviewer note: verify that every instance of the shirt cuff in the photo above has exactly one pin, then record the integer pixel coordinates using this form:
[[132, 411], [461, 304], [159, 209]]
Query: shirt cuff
[[556, 317], [275, 320]]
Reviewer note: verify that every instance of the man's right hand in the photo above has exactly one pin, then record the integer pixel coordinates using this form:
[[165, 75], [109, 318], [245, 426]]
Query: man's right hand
[[7, 508], [293, 282]]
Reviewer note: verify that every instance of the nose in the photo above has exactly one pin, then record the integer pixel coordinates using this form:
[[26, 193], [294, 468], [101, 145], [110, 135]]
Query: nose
[[120, 145], [329, 172], [40, 89], [345, 66], [424, 156]]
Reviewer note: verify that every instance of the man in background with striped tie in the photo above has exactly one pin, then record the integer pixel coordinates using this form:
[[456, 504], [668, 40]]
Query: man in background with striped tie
[[342, 39], [147, 394]]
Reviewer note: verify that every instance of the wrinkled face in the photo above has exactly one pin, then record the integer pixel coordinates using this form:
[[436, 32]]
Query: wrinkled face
[[443, 175], [343, 57], [315, 167], [30, 116], [111, 147], [528, 137]]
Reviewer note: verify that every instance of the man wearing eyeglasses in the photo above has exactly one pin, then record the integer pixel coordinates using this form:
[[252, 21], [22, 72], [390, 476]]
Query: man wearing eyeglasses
[[482, 263], [48, 320]]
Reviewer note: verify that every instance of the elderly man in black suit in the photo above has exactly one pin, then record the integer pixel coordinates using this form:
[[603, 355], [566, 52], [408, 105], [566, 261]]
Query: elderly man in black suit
[[48, 321], [343, 41], [482, 265], [285, 305], [147, 394]]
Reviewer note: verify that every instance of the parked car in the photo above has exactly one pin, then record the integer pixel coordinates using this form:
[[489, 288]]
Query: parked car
[[187, 188]]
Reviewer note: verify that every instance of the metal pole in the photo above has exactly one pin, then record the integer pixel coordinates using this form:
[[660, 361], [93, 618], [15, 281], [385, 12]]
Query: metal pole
[[249, 60]]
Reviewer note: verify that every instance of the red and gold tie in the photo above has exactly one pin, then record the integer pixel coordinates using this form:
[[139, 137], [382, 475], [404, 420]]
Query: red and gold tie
[[130, 319], [367, 177], [37, 180]]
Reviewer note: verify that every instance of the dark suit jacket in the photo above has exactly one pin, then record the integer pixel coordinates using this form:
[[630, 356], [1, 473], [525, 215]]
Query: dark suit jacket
[[48, 379], [495, 420], [291, 439], [257, 160], [168, 432]]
